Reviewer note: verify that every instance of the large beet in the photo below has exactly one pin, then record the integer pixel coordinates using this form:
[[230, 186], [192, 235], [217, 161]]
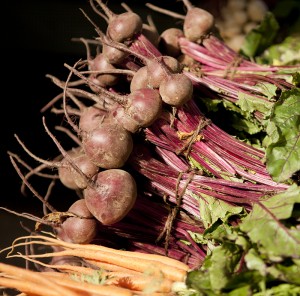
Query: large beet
[[108, 146], [112, 196]]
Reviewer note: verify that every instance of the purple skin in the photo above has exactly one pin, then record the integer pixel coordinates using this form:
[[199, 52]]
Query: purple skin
[[176, 89], [69, 175], [112, 196], [108, 146], [79, 230], [123, 27], [143, 107], [197, 23]]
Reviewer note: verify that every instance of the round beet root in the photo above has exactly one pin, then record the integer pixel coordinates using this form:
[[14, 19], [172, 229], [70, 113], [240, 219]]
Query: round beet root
[[112, 196], [108, 146], [82, 229]]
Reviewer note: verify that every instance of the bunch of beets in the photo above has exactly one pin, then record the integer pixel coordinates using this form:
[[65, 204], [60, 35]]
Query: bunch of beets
[[144, 153]]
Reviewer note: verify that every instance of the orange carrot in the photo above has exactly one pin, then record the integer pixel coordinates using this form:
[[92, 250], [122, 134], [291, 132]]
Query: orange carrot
[[82, 286], [28, 287], [153, 257], [140, 282], [111, 267], [136, 264], [170, 268], [25, 275]]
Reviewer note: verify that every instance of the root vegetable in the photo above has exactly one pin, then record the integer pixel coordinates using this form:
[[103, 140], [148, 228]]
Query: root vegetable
[[141, 107], [168, 43], [157, 66], [139, 79], [121, 27], [148, 30], [108, 146], [112, 196], [81, 229], [145, 107], [70, 176], [101, 63], [176, 89], [92, 117], [74, 167], [64, 172], [30, 282], [197, 23], [113, 55]]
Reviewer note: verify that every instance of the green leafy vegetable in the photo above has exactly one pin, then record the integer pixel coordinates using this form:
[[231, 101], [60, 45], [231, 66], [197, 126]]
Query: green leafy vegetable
[[260, 256], [250, 103], [265, 228], [285, 53], [283, 133]]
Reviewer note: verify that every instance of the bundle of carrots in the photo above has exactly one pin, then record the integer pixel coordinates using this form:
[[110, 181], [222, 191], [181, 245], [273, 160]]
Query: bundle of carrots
[[102, 271]]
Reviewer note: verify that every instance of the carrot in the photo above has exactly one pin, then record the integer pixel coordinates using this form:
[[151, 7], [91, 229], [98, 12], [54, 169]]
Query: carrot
[[117, 285], [129, 279], [171, 268], [82, 286], [136, 264], [153, 257], [28, 287], [63, 267], [28, 276], [140, 282], [110, 267]]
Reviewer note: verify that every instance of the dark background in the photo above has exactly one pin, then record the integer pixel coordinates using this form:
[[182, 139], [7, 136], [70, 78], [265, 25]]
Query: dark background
[[37, 40]]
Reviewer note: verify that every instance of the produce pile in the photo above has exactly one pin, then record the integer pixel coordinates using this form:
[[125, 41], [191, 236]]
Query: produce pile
[[183, 163]]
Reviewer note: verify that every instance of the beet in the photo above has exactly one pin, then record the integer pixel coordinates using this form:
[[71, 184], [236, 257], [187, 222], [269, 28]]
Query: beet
[[108, 146], [112, 196]]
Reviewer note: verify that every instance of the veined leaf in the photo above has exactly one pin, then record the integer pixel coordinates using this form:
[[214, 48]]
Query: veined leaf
[[283, 155], [251, 103], [265, 227]]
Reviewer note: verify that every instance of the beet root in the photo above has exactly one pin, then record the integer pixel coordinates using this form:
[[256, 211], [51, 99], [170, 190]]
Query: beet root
[[112, 196]]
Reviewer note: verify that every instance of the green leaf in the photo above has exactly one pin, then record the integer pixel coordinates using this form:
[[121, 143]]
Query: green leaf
[[245, 124], [251, 103], [255, 262], [199, 280], [212, 209], [242, 120], [219, 231], [290, 273], [241, 291], [244, 281], [261, 37], [281, 290], [224, 261], [283, 154], [284, 53], [217, 269], [265, 227]]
